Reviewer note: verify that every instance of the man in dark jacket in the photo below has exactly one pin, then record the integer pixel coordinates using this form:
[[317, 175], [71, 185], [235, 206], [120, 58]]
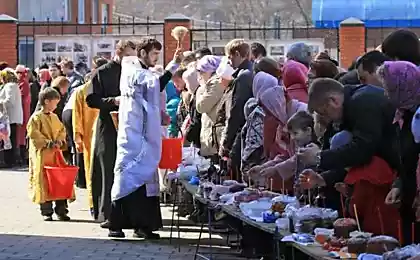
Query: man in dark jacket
[[75, 79], [238, 54], [104, 96], [364, 111], [367, 65]]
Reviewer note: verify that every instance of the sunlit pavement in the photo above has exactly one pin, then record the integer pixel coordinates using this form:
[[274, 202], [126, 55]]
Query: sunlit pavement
[[24, 235]]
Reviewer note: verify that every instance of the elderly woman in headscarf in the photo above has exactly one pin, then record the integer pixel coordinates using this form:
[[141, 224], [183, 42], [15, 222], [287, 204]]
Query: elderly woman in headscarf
[[295, 80], [401, 81], [11, 103], [262, 81], [208, 97], [252, 150], [188, 117], [300, 52], [278, 109], [23, 81], [44, 76]]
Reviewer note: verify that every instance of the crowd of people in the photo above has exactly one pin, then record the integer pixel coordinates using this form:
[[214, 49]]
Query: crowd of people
[[303, 124]]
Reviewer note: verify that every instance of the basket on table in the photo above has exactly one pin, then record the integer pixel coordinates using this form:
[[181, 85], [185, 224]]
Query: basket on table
[[60, 177]]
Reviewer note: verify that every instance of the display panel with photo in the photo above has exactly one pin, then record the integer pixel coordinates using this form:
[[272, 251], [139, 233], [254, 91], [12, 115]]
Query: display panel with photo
[[106, 54], [64, 47], [314, 49], [218, 51], [277, 50], [104, 45], [64, 56], [77, 47], [48, 58], [81, 58], [49, 47]]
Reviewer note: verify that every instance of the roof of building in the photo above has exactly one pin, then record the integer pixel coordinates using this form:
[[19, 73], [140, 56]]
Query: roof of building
[[375, 13]]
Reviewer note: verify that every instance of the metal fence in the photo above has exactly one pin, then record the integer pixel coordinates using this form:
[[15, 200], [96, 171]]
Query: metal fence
[[203, 33], [207, 34], [31, 33]]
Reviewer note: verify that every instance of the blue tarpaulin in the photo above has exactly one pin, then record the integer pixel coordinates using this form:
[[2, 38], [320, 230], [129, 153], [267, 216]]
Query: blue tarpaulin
[[375, 13]]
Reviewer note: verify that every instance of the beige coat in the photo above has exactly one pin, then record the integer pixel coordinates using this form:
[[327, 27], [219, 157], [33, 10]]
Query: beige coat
[[11, 99], [207, 102]]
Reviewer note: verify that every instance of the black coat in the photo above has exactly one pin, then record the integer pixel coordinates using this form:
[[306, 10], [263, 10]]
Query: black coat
[[194, 129], [409, 156], [241, 92], [368, 115], [35, 88]]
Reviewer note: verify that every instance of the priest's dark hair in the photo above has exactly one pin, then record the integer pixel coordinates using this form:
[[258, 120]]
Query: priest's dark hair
[[48, 93], [147, 44], [321, 89]]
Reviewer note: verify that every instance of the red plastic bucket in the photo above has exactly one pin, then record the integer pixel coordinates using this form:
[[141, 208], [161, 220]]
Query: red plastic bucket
[[171, 155], [60, 178]]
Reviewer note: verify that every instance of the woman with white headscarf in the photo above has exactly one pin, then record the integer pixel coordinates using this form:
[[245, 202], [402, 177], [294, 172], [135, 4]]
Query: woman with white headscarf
[[208, 97]]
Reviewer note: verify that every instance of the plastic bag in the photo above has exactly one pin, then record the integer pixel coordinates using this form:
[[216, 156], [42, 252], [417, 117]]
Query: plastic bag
[[308, 213], [403, 253], [287, 200], [5, 142]]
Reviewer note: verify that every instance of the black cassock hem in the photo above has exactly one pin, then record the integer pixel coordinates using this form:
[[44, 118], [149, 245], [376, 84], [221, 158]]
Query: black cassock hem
[[136, 211]]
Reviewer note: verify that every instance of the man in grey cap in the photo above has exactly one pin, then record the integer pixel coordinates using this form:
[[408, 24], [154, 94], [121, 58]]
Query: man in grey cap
[[300, 52]]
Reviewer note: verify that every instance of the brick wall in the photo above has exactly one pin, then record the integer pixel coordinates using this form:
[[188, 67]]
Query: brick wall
[[170, 43], [352, 41], [8, 39], [9, 7]]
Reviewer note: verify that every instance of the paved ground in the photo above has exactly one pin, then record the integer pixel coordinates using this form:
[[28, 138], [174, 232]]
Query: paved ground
[[24, 235]]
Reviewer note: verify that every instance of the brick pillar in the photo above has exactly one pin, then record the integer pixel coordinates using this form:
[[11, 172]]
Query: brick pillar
[[352, 40], [8, 39], [169, 43]]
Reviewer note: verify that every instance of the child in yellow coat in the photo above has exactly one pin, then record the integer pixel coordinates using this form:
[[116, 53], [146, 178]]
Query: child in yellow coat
[[47, 135]]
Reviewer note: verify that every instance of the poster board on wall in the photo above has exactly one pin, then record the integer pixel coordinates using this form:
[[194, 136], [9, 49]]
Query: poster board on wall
[[51, 50], [80, 49], [275, 48]]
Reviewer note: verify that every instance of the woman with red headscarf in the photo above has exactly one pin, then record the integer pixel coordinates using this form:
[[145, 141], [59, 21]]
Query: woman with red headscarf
[[295, 80], [44, 77], [22, 74]]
